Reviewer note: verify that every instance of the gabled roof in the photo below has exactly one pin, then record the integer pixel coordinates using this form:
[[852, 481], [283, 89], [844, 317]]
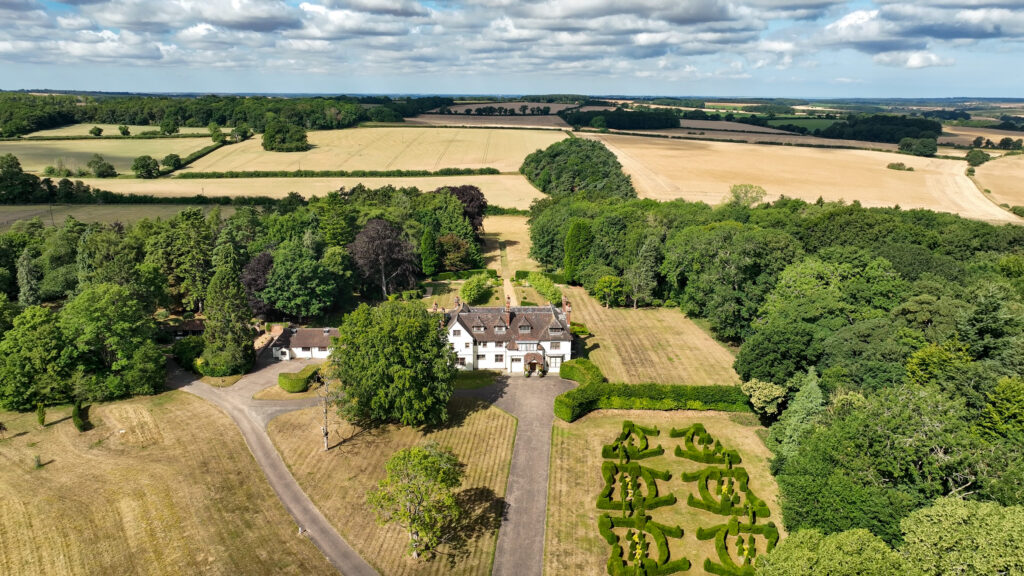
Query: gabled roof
[[539, 319], [307, 338]]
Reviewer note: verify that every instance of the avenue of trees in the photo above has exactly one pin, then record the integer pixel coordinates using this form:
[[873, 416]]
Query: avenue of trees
[[78, 301], [883, 347], [24, 113]]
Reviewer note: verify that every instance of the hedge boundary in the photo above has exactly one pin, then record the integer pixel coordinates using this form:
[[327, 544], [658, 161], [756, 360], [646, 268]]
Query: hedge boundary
[[339, 173], [295, 382], [465, 274], [594, 393]]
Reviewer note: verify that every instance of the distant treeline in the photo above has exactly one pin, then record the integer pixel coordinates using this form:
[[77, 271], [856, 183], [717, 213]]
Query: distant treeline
[[622, 119], [24, 113], [340, 173]]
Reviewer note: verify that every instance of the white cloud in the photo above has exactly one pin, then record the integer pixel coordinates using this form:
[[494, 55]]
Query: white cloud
[[911, 59]]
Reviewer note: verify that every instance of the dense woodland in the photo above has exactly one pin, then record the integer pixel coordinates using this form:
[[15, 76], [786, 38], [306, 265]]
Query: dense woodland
[[24, 113], [883, 347], [80, 303]]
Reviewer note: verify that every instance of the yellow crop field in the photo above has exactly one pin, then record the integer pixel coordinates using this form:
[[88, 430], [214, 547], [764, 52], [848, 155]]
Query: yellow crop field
[[389, 148], [507, 190], [541, 122], [35, 155], [337, 482], [657, 345], [704, 171], [573, 544], [161, 486], [110, 130], [1005, 178], [965, 135]]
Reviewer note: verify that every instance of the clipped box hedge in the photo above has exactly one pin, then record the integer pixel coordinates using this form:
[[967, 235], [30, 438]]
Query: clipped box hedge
[[296, 382], [466, 274], [594, 393]]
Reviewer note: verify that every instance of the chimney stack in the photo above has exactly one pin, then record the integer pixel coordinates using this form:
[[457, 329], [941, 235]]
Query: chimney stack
[[567, 309], [508, 311]]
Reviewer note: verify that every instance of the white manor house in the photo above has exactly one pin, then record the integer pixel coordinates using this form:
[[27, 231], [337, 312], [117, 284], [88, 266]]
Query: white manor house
[[514, 339]]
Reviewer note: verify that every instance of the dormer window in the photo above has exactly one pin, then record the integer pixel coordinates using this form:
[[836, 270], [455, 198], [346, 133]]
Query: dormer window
[[524, 327], [555, 330], [478, 328], [499, 329]]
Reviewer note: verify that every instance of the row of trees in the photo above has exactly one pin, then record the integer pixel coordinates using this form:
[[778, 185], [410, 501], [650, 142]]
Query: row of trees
[[881, 345], [25, 113]]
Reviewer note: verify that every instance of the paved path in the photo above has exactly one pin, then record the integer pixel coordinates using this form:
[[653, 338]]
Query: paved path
[[252, 417], [520, 550], [510, 292]]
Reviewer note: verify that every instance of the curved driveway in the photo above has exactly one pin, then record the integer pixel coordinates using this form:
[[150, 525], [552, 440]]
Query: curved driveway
[[252, 417]]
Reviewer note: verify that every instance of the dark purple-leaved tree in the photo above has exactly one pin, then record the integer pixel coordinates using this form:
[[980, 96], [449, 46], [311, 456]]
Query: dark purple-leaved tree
[[384, 257], [473, 204], [254, 279]]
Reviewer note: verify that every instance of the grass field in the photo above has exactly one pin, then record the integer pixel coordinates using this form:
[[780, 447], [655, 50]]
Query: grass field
[[573, 544], [161, 485], [965, 135], [111, 130], [546, 122], [337, 481], [650, 344], [776, 137], [444, 293], [666, 169], [35, 155], [108, 214], [727, 126], [398, 148], [508, 190], [1005, 178], [513, 233]]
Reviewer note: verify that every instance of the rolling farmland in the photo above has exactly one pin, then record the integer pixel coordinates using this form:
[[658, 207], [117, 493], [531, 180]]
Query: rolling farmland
[[573, 544], [161, 486], [337, 481], [35, 155], [704, 171], [1005, 178], [650, 345], [107, 214], [111, 130], [508, 190], [397, 148]]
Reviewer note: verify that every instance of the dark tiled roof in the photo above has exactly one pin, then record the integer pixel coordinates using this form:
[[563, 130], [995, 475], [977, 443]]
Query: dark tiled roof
[[527, 323], [307, 338]]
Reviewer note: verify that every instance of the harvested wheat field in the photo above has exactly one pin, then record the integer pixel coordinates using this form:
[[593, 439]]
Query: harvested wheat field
[[551, 122], [704, 171], [506, 190], [161, 485], [111, 130], [337, 482], [658, 345], [35, 155], [104, 213], [768, 138], [965, 135], [1005, 178], [573, 544], [388, 148]]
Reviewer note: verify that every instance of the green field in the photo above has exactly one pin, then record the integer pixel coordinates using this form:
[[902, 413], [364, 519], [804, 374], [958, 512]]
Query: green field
[[809, 123], [109, 130], [35, 155], [108, 214]]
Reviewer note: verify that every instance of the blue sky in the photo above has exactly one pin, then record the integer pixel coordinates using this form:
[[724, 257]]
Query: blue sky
[[798, 48]]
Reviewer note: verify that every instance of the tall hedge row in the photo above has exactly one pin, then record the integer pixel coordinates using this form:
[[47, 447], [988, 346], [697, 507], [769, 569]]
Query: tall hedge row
[[594, 393], [296, 382]]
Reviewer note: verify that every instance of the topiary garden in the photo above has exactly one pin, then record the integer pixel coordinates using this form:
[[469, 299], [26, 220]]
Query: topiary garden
[[640, 545]]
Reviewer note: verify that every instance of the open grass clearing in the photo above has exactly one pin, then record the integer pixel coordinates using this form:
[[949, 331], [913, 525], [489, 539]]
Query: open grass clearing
[[275, 392], [221, 381], [658, 345], [388, 148], [473, 379], [337, 481], [160, 485], [507, 190], [111, 130], [35, 155], [512, 232], [1005, 178], [573, 544], [704, 171], [106, 213], [443, 292]]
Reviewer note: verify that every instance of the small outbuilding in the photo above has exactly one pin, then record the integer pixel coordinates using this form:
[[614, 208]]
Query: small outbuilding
[[304, 343]]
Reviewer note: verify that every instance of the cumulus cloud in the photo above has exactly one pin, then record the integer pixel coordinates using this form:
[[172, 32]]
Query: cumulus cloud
[[914, 59]]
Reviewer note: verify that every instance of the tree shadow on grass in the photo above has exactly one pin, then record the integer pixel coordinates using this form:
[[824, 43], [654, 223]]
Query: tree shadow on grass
[[483, 511]]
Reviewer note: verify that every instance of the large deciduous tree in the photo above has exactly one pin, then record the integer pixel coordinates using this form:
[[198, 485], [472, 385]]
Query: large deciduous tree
[[851, 553], [418, 494], [577, 248], [395, 364], [254, 279], [33, 365], [384, 257], [297, 284]]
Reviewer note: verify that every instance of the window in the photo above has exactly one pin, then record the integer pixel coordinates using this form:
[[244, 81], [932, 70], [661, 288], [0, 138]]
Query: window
[[528, 347], [480, 357], [456, 332], [499, 329], [516, 360], [499, 357], [478, 328], [556, 345], [467, 345], [555, 362], [460, 361], [305, 348], [555, 330], [524, 328]]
